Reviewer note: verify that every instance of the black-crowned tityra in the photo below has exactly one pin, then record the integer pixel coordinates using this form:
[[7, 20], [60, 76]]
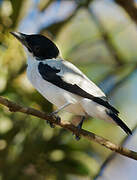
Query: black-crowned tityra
[[63, 84]]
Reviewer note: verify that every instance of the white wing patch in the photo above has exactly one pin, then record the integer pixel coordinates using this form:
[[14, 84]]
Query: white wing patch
[[73, 75]]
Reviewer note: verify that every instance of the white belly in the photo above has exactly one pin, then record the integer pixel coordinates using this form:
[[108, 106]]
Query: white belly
[[54, 94]]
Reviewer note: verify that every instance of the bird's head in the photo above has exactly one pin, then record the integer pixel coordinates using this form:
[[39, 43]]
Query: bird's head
[[40, 46]]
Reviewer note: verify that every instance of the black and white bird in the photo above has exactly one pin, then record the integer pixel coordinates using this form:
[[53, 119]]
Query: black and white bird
[[63, 84]]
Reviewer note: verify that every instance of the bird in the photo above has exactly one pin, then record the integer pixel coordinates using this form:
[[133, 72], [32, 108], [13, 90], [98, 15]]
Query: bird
[[63, 84]]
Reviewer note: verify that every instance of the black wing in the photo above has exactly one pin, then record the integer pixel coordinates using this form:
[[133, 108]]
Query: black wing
[[50, 74], [119, 122]]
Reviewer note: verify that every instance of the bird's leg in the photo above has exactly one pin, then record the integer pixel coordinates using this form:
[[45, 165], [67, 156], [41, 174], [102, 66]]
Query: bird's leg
[[54, 114], [61, 107], [77, 137]]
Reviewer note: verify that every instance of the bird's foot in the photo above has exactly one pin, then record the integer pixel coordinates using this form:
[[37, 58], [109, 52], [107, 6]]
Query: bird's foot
[[77, 136], [51, 124], [56, 117]]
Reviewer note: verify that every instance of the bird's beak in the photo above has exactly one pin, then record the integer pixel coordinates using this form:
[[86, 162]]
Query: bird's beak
[[21, 37]]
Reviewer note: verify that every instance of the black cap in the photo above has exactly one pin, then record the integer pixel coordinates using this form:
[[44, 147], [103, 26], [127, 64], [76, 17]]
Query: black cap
[[41, 47]]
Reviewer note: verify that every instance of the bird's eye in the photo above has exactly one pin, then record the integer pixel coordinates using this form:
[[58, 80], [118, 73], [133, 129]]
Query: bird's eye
[[36, 48]]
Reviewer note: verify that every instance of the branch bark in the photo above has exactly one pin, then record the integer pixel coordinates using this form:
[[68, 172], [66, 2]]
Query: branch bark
[[107, 39], [13, 107], [130, 7]]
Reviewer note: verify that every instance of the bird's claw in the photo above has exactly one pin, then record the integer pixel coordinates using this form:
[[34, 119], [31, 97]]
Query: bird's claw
[[51, 124], [12, 109], [58, 119], [77, 137], [54, 115]]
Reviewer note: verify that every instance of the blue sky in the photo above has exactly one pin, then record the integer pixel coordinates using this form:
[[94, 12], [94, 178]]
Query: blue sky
[[35, 19]]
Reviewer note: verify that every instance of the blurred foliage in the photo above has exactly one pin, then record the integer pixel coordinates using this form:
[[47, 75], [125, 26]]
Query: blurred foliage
[[94, 36], [44, 4]]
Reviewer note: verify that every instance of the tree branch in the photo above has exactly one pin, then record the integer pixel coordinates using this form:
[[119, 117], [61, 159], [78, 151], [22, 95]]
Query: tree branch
[[13, 107], [130, 7], [107, 39]]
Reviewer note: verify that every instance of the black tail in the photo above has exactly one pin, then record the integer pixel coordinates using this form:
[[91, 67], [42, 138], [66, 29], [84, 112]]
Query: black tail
[[119, 122]]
